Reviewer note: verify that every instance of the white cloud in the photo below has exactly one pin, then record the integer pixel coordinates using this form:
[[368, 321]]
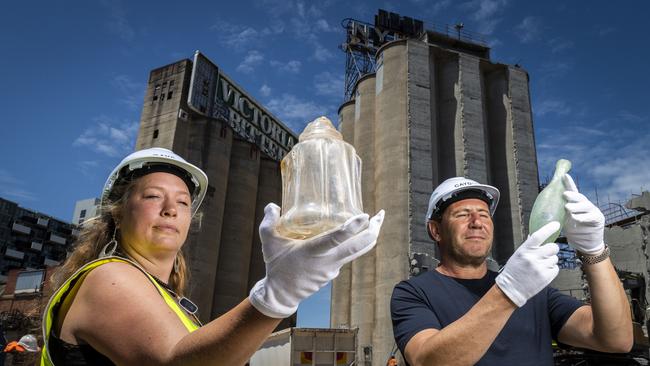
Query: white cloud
[[241, 37], [436, 8], [488, 26], [118, 24], [253, 59], [87, 167], [276, 8], [614, 164], [305, 23], [558, 107], [485, 14], [606, 30], [276, 27], [631, 117], [108, 136], [323, 25], [494, 42], [529, 29], [12, 187], [292, 67], [131, 91], [294, 111], [559, 44], [265, 90], [321, 53], [553, 69], [488, 8], [329, 84]]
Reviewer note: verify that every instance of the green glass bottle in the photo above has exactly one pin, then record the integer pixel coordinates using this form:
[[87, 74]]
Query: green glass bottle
[[549, 205]]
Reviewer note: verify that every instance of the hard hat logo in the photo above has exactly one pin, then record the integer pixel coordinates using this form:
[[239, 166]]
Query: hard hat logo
[[457, 188], [194, 177]]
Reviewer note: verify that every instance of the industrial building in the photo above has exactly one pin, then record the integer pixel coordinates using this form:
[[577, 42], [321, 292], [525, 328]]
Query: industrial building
[[198, 112], [30, 239], [32, 245], [84, 210], [430, 105]]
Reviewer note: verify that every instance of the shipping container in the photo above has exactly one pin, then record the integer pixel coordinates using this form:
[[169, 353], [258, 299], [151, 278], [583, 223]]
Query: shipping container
[[308, 347]]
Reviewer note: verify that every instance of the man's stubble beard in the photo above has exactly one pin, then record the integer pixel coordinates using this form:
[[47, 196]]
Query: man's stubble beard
[[461, 257]]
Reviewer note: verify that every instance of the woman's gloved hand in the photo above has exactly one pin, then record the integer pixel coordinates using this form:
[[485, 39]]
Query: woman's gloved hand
[[295, 268], [585, 224]]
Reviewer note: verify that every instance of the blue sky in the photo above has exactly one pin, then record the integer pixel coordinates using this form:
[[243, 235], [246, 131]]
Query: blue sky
[[73, 76]]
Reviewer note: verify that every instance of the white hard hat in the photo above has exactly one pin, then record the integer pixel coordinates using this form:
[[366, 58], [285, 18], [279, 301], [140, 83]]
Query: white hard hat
[[450, 188], [159, 159], [29, 343]]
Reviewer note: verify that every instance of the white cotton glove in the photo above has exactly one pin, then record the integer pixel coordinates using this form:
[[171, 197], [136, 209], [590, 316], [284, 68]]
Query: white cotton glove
[[531, 267], [295, 269], [585, 224]]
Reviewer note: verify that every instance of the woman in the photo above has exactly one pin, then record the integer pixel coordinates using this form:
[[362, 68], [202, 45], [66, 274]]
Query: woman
[[120, 296]]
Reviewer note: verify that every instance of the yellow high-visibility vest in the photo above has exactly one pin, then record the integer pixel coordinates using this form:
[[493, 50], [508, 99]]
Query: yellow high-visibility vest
[[73, 283]]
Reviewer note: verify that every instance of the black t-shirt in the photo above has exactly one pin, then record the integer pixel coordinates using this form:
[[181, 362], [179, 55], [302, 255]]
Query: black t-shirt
[[433, 300]]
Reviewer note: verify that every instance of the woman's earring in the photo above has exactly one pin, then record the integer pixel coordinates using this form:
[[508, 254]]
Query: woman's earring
[[110, 248], [177, 264]]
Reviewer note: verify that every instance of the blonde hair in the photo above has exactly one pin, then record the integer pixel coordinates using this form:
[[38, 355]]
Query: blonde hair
[[98, 231]]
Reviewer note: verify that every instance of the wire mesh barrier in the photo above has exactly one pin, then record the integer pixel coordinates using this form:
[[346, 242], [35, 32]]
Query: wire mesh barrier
[[615, 213]]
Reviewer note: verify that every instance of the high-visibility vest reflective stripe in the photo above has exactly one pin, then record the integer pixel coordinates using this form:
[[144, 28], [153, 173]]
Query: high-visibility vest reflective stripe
[[69, 284]]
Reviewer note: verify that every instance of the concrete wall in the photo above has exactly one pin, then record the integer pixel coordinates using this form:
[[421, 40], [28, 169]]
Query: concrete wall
[[525, 182], [630, 250], [238, 228], [569, 281], [269, 189], [471, 140], [342, 286], [391, 189], [446, 151], [159, 114], [421, 162], [502, 166], [363, 269]]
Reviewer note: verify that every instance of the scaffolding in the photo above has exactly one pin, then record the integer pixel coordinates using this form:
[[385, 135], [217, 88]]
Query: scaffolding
[[360, 56], [364, 39], [616, 213]]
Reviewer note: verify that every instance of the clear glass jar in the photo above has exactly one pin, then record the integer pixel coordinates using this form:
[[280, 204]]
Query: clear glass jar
[[321, 182], [549, 204]]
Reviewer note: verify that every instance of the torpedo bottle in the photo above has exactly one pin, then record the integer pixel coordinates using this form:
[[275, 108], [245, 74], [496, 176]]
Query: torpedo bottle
[[549, 204], [321, 182]]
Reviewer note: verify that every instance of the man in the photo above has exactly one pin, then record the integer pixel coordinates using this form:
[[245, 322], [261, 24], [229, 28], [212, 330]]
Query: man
[[463, 314]]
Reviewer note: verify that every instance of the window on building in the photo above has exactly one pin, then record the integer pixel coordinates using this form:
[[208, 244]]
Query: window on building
[[171, 83], [155, 92], [169, 95], [28, 282], [82, 213], [205, 90], [155, 134]]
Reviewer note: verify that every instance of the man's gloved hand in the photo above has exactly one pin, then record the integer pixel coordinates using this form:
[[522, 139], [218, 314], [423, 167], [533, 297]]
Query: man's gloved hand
[[295, 269], [585, 224], [531, 267]]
